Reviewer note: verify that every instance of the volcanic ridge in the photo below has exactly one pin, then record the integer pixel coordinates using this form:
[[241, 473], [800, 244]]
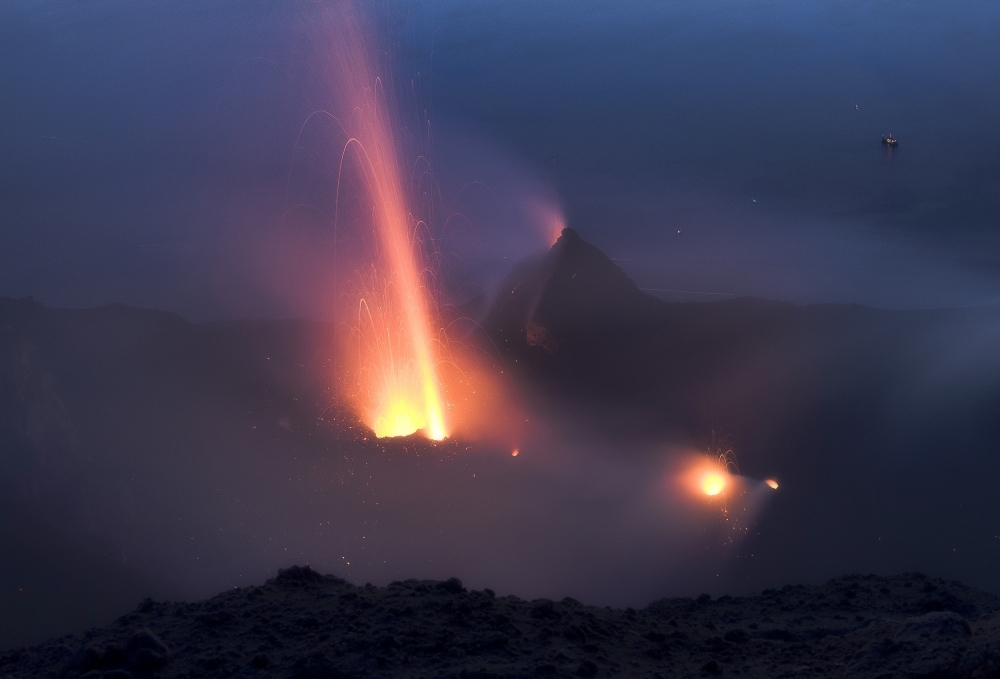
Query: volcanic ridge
[[304, 625]]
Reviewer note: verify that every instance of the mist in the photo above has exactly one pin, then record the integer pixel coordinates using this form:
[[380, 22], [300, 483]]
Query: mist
[[747, 271], [152, 158], [184, 459]]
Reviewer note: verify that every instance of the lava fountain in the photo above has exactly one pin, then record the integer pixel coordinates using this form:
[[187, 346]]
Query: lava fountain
[[393, 361]]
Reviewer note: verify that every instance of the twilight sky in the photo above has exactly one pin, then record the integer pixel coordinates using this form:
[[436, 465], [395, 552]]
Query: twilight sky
[[146, 150]]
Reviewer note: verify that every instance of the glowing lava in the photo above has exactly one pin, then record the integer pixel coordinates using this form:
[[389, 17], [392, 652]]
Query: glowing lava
[[713, 482], [399, 418], [708, 478], [772, 484], [398, 390]]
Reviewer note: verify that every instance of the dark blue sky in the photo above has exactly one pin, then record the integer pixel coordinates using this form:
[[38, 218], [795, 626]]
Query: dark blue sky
[[750, 127]]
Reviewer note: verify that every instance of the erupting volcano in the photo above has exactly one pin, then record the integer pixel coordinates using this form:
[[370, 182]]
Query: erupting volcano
[[394, 351]]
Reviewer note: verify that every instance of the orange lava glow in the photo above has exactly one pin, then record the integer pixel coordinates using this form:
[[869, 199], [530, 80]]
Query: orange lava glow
[[547, 214], [395, 350], [514, 452], [556, 229], [395, 357], [401, 365], [772, 484], [712, 482], [706, 478]]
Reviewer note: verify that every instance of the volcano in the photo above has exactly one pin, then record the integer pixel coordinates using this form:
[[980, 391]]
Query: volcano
[[870, 418], [165, 456], [574, 325]]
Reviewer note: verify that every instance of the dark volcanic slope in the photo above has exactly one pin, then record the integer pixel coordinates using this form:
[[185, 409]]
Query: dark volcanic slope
[[574, 323], [883, 423], [305, 625], [89, 399]]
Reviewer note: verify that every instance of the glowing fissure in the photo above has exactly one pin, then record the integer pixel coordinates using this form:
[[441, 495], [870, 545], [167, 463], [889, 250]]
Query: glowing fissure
[[399, 386]]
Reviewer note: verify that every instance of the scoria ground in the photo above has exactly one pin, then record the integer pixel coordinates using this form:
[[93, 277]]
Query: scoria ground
[[304, 625]]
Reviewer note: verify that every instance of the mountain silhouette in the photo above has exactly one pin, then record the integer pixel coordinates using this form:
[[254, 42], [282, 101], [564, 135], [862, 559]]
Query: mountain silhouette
[[573, 325], [146, 455]]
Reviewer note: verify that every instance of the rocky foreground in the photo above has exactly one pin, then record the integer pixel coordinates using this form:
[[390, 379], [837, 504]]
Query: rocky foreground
[[304, 625]]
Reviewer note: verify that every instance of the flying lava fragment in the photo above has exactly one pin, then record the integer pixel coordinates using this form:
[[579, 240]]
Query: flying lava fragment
[[772, 484]]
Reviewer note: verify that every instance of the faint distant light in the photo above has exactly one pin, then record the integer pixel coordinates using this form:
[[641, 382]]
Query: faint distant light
[[772, 483]]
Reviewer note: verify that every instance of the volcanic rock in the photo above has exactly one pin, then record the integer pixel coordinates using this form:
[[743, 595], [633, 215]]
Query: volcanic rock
[[303, 625]]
